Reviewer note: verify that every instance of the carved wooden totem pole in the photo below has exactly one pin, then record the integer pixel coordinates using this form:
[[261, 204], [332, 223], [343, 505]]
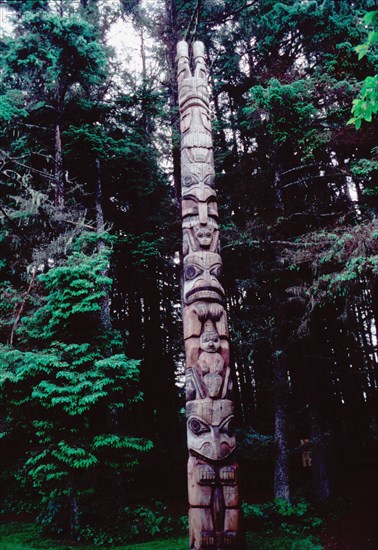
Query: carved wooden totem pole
[[214, 514]]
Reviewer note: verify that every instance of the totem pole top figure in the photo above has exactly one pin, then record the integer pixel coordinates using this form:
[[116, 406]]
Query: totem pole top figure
[[193, 98], [193, 87]]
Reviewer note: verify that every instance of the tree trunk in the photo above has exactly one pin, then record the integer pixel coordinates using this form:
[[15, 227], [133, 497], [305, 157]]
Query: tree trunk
[[73, 509], [281, 469], [58, 172], [100, 227], [320, 463], [170, 42], [322, 409]]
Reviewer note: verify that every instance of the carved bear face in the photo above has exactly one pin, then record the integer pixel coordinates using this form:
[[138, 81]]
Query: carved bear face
[[211, 428], [202, 271]]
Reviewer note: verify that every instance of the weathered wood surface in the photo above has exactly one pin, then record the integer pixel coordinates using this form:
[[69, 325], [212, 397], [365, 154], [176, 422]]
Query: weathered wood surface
[[214, 500]]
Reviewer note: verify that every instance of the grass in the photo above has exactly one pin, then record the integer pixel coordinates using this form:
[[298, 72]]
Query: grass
[[26, 536], [279, 541]]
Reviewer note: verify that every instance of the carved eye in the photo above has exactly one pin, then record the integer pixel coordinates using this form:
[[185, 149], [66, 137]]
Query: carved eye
[[185, 90], [210, 180], [217, 271], [228, 427], [191, 272], [198, 427], [188, 181]]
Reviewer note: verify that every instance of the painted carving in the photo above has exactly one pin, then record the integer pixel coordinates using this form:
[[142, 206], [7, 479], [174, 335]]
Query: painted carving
[[214, 515]]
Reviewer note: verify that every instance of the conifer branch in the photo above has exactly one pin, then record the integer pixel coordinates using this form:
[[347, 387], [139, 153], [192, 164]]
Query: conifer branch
[[21, 308]]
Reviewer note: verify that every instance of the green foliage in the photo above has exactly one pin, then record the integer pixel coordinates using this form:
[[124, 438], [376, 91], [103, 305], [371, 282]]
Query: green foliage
[[56, 50], [24, 536], [255, 446], [285, 109], [11, 107], [364, 167], [366, 105], [340, 260], [276, 541], [57, 390], [75, 290], [133, 523], [295, 518]]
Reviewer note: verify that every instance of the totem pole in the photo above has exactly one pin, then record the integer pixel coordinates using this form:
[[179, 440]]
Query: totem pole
[[214, 514]]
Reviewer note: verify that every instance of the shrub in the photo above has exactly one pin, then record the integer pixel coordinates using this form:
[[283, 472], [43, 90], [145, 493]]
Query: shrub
[[136, 523], [294, 517]]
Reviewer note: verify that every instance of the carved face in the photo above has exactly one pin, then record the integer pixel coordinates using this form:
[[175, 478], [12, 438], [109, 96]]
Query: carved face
[[199, 193], [193, 91], [204, 235], [200, 212], [197, 173], [210, 341], [210, 428], [196, 129], [202, 271]]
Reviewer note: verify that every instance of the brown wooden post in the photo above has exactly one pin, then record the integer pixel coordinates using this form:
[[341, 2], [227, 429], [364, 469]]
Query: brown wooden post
[[214, 514]]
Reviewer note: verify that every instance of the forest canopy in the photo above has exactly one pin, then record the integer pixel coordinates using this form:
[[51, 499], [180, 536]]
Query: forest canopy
[[91, 351]]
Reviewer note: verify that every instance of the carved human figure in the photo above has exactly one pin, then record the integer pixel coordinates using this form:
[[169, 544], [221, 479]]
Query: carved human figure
[[201, 317], [205, 236], [211, 363], [210, 376]]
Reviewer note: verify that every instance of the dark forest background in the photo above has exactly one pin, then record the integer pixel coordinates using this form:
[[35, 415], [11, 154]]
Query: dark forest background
[[91, 356]]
